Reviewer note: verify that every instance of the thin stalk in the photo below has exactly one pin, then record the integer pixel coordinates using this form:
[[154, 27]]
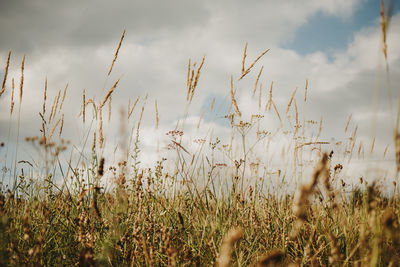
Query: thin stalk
[[244, 161]]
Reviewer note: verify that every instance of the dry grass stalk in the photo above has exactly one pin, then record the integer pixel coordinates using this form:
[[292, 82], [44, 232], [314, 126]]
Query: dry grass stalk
[[141, 116], [101, 136], [44, 122], [52, 112], [372, 145], [229, 241], [353, 140], [305, 91], [130, 110], [100, 169], [397, 149], [348, 122], [54, 128], [268, 106], [291, 100], [3, 85], [196, 79], [21, 84], [84, 106], [57, 101], [190, 83], [12, 97], [183, 148], [320, 128], [62, 125], [201, 117], [354, 135], [63, 97], [244, 73], [360, 150], [109, 93], [258, 78], [44, 97], [91, 101], [116, 53], [385, 151], [276, 110], [244, 57], [157, 117], [233, 100], [313, 143], [230, 106], [94, 143], [212, 104], [188, 79], [44, 138]]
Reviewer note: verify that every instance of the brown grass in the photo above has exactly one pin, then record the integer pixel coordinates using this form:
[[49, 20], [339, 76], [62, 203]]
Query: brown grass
[[276, 111], [157, 116], [109, 94], [211, 207], [130, 110], [101, 136], [229, 241], [194, 79], [116, 53], [12, 97], [233, 100], [268, 106], [44, 97], [305, 91], [63, 97], [62, 125], [212, 104], [3, 85], [244, 57], [21, 83], [256, 83], [291, 100], [245, 72]]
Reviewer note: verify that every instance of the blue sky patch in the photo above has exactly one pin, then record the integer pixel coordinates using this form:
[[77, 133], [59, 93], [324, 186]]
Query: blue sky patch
[[328, 34], [221, 106]]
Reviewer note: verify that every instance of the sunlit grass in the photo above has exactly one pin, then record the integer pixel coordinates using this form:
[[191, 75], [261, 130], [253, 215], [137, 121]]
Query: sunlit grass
[[214, 205]]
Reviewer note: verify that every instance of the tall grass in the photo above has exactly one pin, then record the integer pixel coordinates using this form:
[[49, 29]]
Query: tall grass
[[155, 217]]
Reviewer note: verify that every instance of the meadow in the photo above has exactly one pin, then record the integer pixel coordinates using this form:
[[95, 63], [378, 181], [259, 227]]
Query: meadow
[[213, 205]]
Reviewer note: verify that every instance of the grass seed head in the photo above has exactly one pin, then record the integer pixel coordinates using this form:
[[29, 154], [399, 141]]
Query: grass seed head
[[3, 85], [233, 235]]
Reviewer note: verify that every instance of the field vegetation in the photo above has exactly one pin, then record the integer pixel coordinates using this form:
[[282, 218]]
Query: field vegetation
[[197, 210]]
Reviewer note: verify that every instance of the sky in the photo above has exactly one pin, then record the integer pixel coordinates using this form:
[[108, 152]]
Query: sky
[[335, 45]]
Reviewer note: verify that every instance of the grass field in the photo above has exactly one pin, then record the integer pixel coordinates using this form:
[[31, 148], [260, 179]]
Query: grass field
[[193, 209]]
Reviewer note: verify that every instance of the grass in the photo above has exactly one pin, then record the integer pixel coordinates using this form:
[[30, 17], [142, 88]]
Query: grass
[[139, 225], [206, 211]]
